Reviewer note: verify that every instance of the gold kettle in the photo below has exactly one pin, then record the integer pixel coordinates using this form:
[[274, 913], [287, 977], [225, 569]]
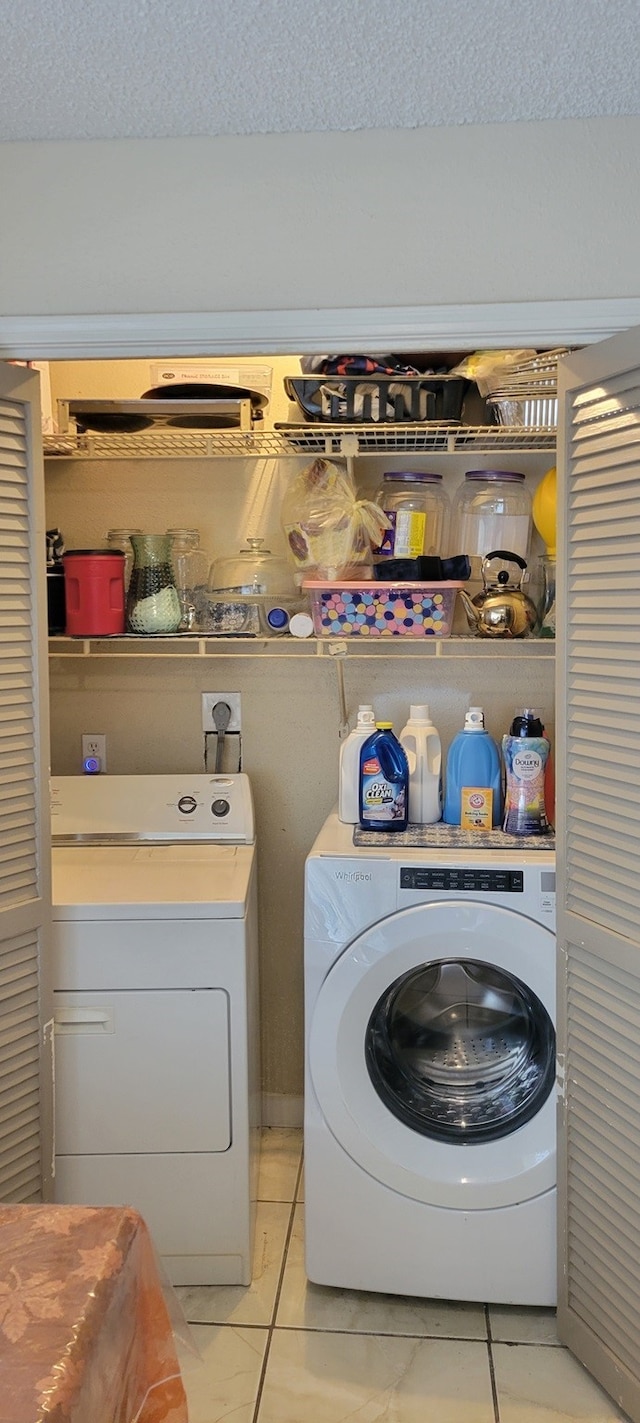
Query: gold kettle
[[502, 609]]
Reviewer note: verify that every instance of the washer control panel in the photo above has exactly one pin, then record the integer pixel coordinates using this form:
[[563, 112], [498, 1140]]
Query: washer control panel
[[462, 881]]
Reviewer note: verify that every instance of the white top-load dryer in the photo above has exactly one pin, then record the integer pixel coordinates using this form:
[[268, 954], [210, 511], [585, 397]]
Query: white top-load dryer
[[155, 966]]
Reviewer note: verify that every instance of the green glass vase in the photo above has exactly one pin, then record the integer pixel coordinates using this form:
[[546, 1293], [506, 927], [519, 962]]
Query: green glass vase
[[153, 605]]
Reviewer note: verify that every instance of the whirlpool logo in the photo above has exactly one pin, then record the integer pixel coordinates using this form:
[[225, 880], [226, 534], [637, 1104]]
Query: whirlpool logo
[[353, 876]]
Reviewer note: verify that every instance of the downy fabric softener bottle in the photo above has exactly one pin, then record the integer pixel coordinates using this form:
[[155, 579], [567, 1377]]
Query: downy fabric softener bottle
[[526, 752]]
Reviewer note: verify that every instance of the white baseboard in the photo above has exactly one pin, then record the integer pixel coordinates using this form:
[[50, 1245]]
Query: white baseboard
[[279, 1110]]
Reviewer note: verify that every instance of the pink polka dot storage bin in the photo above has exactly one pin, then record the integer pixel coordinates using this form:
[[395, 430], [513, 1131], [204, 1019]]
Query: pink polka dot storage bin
[[382, 609]]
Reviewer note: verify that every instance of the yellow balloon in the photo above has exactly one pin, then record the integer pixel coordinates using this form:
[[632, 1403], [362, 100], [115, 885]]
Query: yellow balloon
[[544, 510]]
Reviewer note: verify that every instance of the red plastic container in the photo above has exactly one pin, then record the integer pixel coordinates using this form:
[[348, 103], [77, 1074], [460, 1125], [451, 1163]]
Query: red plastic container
[[94, 592]]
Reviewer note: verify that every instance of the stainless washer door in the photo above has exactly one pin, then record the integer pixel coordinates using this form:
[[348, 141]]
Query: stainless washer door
[[431, 1054]]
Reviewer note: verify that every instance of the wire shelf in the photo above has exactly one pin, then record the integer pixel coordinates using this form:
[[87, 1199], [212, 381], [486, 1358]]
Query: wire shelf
[[165, 444], [295, 440], [416, 439], [182, 645]]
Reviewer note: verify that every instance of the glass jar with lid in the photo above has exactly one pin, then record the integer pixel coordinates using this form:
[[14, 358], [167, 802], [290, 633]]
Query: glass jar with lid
[[190, 566], [418, 511], [251, 592], [491, 510], [121, 539]]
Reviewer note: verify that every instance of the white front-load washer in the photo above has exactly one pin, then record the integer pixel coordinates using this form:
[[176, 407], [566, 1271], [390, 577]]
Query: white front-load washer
[[430, 1132], [156, 1031]]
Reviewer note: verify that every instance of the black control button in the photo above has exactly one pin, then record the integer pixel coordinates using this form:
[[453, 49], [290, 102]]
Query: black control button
[[187, 804], [220, 808]]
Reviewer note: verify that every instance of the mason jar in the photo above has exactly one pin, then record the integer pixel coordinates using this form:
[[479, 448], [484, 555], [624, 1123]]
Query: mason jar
[[190, 566], [121, 539]]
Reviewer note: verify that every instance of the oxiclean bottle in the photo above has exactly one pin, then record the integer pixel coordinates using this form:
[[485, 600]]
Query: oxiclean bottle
[[384, 781]]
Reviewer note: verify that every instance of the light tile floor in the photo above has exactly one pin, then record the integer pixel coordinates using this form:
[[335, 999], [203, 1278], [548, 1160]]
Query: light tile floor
[[283, 1351]]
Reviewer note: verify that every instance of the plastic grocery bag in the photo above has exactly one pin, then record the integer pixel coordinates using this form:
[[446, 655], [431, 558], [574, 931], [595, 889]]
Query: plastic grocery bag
[[330, 531], [490, 368]]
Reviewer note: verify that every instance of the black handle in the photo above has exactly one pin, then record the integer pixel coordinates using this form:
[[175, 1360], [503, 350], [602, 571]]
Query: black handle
[[505, 553]]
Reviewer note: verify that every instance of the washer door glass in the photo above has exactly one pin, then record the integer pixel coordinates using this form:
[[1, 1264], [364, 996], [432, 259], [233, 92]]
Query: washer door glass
[[461, 1051]]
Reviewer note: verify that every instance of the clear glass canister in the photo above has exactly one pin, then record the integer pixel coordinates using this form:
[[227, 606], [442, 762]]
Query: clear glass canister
[[190, 566], [491, 510], [244, 589], [547, 597], [121, 539], [153, 605], [418, 510]]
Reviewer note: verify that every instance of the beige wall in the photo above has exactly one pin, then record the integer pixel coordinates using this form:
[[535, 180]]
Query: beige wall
[[150, 708], [503, 212]]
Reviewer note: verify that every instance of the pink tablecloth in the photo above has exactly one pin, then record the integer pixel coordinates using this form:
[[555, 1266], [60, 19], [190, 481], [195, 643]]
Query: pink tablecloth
[[85, 1333]]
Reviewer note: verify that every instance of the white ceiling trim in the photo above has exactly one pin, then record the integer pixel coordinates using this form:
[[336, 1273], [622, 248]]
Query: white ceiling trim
[[427, 328]]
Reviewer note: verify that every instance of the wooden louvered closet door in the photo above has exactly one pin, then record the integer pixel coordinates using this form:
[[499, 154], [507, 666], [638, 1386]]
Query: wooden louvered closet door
[[25, 896], [598, 749]]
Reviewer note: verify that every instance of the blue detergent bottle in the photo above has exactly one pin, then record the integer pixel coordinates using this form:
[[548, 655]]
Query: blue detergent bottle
[[473, 764], [383, 787]]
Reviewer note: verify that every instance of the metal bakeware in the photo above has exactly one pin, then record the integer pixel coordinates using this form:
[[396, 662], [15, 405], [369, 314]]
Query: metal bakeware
[[533, 411]]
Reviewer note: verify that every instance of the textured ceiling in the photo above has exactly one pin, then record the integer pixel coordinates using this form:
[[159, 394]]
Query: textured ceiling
[[75, 69]]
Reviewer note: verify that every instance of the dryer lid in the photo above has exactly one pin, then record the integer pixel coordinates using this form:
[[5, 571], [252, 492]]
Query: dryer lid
[[142, 881]]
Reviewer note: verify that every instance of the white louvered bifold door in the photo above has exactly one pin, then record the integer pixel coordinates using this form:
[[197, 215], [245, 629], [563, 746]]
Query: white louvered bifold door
[[25, 897], [598, 750]]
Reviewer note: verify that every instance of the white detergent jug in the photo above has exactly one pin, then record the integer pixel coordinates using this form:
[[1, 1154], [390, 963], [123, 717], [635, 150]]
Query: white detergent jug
[[421, 742], [349, 774]]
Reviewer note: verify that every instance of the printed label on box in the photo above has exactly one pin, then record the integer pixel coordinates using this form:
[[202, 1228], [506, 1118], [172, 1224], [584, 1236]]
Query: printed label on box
[[476, 808], [208, 373]]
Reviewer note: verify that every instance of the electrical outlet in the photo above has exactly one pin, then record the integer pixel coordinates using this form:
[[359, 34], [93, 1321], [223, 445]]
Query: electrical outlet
[[94, 747], [209, 700]]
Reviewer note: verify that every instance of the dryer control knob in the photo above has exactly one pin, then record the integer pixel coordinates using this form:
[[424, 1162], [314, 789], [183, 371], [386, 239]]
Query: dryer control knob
[[187, 804], [220, 807]]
